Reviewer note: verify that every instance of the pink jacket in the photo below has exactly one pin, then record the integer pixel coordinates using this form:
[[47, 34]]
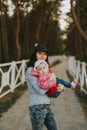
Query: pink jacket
[[44, 80]]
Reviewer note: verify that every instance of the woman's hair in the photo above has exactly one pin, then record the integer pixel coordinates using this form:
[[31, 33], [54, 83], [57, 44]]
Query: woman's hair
[[33, 58]]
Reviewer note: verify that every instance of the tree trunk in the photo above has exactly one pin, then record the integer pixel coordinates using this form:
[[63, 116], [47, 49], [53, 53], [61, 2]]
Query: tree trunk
[[83, 34], [17, 30], [37, 36], [4, 40]]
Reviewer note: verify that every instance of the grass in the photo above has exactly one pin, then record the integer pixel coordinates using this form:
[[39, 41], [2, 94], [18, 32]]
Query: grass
[[81, 96], [55, 63], [7, 101]]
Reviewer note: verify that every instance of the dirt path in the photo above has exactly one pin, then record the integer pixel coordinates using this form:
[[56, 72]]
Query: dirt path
[[67, 109]]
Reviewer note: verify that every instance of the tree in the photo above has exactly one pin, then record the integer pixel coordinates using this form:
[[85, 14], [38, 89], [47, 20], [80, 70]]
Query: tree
[[25, 28], [77, 22], [76, 33], [41, 25], [4, 40], [17, 30]]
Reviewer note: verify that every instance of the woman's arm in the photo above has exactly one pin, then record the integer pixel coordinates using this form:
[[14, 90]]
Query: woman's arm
[[33, 81]]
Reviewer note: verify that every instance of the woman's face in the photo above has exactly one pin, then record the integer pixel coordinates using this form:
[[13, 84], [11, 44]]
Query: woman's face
[[41, 55]]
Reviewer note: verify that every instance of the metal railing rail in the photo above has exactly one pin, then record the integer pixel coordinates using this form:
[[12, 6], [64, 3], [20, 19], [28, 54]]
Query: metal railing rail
[[12, 75], [78, 70]]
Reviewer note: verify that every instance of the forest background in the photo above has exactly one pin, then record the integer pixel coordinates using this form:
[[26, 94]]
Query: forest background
[[26, 22]]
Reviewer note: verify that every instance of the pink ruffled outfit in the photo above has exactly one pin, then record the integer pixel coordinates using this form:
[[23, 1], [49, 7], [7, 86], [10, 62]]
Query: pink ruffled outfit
[[44, 81]]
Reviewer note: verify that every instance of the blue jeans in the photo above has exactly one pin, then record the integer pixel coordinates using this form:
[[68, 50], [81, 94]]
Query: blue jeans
[[41, 115], [65, 83]]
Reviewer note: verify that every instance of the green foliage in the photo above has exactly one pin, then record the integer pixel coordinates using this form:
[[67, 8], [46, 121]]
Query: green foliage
[[82, 58], [7, 101], [4, 105], [55, 63], [82, 98], [26, 55], [81, 95]]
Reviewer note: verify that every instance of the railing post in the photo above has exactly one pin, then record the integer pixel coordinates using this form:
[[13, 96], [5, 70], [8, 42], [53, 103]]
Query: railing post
[[23, 71], [78, 70], [83, 71], [13, 76]]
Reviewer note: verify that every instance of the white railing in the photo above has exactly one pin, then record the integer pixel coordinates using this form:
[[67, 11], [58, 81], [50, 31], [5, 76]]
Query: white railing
[[11, 76], [78, 70]]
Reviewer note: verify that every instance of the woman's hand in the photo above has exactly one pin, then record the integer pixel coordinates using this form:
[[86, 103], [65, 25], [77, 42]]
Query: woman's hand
[[60, 88], [53, 76], [52, 69]]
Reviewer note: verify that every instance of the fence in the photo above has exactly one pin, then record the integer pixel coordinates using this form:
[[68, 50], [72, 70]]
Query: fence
[[78, 70], [11, 76]]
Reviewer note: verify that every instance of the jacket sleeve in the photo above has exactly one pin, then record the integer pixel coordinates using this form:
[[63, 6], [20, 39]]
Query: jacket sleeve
[[46, 83], [33, 81]]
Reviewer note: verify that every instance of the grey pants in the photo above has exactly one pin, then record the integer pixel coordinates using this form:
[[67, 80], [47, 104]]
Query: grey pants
[[41, 115]]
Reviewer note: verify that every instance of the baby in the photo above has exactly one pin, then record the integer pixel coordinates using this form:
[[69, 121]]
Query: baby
[[48, 81]]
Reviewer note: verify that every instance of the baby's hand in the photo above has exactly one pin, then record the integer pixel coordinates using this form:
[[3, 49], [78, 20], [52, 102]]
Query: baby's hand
[[53, 76], [60, 88]]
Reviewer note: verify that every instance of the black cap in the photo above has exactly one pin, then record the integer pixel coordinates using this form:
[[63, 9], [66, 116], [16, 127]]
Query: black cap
[[40, 48]]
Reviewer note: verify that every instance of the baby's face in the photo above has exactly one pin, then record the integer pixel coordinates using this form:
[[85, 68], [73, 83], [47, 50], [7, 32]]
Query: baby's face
[[42, 68]]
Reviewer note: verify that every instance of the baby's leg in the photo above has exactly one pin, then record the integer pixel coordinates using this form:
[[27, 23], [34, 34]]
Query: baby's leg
[[65, 83], [56, 94], [71, 85]]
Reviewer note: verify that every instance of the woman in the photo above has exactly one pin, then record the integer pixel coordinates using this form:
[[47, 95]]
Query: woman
[[39, 103]]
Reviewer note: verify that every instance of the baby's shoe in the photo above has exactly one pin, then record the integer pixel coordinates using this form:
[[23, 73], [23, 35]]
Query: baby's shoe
[[74, 84]]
